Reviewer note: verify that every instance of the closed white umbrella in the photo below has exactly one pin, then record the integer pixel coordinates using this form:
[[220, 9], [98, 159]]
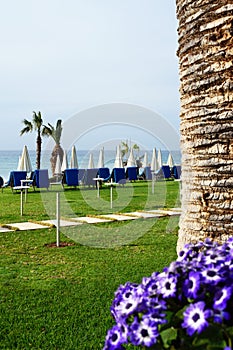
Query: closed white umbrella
[[159, 159], [131, 160], [58, 170], [64, 165], [145, 160], [25, 162], [170, 160], [19, 163], [91, 162], [154, 162], [101, 159], [118, 160], [73, 159]]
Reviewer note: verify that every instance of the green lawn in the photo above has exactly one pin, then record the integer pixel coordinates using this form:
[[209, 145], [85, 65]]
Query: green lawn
[[59, 298]]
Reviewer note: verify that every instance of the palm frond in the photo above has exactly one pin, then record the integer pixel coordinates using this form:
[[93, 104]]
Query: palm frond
[[46, 131], [55, 133], [37, 120], [58, 131], [28, 127]]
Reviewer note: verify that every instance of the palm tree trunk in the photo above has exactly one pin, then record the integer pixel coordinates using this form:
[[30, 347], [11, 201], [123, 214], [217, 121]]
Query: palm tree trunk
[[57, 150], [38, 150], [205, 57]]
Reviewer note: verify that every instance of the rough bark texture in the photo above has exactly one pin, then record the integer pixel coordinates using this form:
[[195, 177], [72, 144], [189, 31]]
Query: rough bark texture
[[57, 150], [206, 88]]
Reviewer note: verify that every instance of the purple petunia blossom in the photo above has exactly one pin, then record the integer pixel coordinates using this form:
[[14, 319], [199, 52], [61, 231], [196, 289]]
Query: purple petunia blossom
[[144, 333], [221, 297], [195, 318]]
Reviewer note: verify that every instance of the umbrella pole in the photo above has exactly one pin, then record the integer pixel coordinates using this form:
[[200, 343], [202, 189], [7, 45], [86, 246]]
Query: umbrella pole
[[58, 218], [21, 202], [153, 182], [111, 186]]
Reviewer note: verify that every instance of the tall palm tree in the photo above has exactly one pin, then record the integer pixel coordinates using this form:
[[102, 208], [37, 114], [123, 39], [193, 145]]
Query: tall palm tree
[[55, 133], [36, 125], [205, 58]]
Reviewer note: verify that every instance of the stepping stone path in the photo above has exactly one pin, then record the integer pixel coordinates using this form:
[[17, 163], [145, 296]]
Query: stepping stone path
[[23, 226]]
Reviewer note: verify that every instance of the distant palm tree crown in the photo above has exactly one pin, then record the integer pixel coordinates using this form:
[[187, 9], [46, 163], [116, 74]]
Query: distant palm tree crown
[[37, 125], [55, 133]]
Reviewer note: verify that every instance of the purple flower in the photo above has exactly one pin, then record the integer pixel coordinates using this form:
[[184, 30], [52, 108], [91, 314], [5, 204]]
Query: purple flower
[[195, 318], [192, 285], [167, 285], [203, 274], [155, 315], [115, 338], [144, 333], [127, 299], [213, 256], [221, 297], [151, 287], [126, 307], [220, 316], [185, 253], [211, 275]]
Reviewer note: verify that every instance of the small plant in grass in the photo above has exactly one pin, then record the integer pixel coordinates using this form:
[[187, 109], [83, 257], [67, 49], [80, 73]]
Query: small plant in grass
[[186, 306]]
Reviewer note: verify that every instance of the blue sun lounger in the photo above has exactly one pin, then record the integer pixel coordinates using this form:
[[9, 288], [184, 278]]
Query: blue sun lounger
[[40, 178], [118, 175], [71, 177], [132, 173], [145, 173], [176, 172], [89, 175], [104, 173], [164, 173], [15, 178]]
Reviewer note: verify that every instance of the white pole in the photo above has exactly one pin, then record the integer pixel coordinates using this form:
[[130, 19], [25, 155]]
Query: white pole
[[58, 218], [21, 202], [98, 188], [111, 194], [153, 182]]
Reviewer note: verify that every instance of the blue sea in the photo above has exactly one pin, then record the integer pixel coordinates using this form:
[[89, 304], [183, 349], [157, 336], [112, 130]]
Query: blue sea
[[9, 159]]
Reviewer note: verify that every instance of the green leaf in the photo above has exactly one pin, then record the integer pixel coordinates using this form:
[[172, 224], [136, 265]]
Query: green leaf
[[168, 336], [212, 338]]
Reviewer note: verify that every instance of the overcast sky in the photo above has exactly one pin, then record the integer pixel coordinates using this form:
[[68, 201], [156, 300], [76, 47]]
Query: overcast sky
[[65, 56]]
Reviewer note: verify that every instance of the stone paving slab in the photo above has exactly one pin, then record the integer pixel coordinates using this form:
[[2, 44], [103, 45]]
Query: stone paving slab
[[119, 217], [167, 212], [63, 223], [5, 229], [24, 226], [171, 212], [90, 219], [145, 215]]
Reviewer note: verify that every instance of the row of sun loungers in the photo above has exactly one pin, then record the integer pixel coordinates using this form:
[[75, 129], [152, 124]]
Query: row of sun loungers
[[88, 177]]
